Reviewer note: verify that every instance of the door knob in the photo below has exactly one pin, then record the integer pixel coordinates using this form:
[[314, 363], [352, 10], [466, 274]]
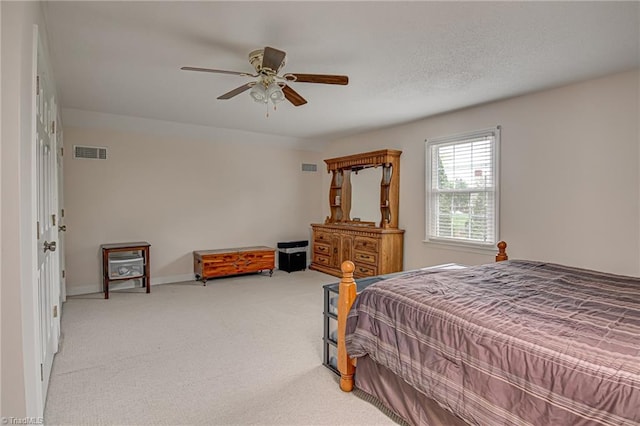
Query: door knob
[[62, 228], [49, 246]]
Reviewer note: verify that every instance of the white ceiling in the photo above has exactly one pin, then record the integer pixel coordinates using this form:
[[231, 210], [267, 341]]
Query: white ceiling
[[405, 60]]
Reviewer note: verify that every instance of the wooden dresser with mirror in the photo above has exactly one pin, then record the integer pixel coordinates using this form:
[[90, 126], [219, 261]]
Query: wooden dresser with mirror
[[363, 222]]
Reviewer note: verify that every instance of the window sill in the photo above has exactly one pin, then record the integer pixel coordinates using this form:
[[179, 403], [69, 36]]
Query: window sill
[[467, 248]]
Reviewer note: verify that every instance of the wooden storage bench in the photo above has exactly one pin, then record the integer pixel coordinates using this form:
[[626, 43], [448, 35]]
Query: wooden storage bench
[[232, 261]]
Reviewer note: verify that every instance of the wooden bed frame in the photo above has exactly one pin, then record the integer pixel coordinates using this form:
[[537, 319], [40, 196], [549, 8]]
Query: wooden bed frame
[[346, 296]]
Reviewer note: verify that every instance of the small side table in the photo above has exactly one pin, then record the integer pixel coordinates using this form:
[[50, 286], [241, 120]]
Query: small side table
[[144, 275]]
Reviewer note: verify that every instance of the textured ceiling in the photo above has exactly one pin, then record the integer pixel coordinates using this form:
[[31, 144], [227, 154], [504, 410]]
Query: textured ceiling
[[405, 60]]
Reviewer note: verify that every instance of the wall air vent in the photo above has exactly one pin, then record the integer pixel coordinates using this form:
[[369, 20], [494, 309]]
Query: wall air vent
[[309, 167], [90, 152]]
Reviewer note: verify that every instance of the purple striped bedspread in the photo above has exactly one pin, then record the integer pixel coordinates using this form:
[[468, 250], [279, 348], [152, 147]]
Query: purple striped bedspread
[[510, 343]]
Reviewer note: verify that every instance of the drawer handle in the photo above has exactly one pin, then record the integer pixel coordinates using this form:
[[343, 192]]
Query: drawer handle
[[362, 270]]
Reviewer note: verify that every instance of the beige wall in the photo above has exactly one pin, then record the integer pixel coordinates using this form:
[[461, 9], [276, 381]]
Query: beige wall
[[570, 186], [569, 176], [181, 195]]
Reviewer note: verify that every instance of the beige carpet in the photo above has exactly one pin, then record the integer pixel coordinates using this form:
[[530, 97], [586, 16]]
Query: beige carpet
[[243, 350]]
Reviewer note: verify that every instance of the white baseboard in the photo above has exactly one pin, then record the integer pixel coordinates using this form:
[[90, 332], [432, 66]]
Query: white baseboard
[[97, 288], [173, 279]]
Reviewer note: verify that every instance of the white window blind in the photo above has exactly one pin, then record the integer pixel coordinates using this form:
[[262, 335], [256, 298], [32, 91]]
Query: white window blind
[[462, 188]]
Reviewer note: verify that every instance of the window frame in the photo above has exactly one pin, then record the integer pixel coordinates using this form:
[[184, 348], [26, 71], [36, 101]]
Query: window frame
[[429, 199]]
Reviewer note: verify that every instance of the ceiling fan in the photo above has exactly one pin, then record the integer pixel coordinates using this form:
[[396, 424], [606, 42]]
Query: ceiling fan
[[271, 86]]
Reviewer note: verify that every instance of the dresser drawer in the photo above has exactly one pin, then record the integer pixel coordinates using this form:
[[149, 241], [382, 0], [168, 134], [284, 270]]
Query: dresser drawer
[[365, 270], [322, 248], [321, 259], [366, 244], [363, 256], [323, 237]]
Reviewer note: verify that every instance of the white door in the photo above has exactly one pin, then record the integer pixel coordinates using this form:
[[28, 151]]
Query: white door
[[47, 225]]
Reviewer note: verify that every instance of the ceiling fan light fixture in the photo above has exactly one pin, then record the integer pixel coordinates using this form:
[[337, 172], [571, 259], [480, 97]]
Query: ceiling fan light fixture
[[274, 93], [259, 94]]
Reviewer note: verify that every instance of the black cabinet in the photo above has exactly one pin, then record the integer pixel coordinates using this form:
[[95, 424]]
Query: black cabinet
[[292, 261], [292, 256]]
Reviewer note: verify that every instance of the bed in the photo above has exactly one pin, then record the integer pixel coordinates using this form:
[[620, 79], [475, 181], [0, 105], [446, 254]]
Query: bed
[[511, 343]]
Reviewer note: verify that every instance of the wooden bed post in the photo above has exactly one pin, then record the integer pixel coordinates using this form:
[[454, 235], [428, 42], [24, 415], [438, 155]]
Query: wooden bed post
[[346, 296], [502, 253]]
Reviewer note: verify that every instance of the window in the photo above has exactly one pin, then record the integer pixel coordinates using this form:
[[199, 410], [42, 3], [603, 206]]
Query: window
[[462, 189]]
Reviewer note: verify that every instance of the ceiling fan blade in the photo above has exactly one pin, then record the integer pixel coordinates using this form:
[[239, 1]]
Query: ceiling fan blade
[[273, 58], [245, 74], [318, 78], [293, 96], [237, 91]]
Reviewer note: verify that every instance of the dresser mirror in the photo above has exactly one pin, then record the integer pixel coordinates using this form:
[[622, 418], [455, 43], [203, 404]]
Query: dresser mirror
[[365, 194], [364, 189]]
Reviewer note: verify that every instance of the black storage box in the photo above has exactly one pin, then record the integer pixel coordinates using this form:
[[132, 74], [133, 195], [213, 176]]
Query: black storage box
[[292, 255]]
